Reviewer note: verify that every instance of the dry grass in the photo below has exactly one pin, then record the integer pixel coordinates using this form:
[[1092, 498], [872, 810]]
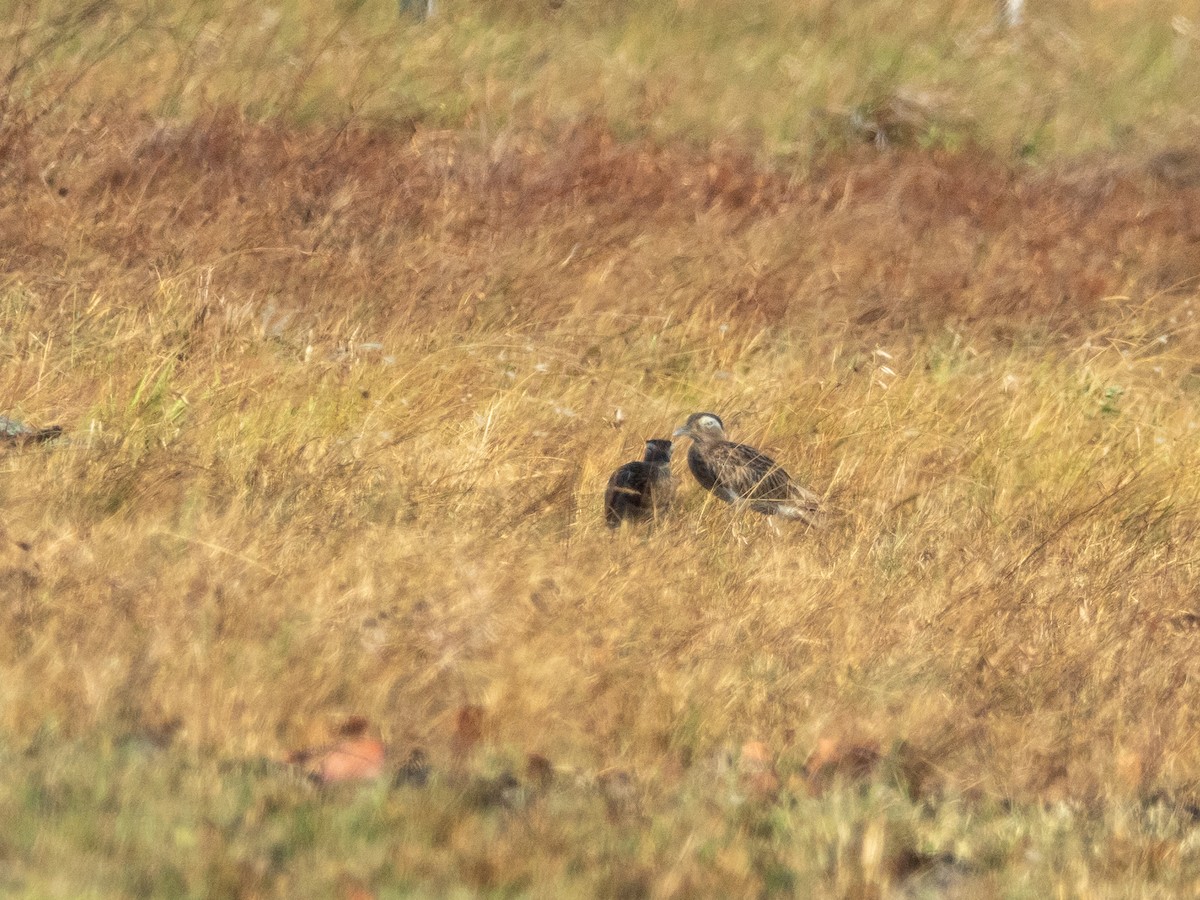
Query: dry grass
[[340, 403]]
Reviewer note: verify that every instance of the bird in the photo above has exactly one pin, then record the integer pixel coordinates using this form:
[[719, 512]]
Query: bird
[[743, 476], [14, 433], [641, 490]]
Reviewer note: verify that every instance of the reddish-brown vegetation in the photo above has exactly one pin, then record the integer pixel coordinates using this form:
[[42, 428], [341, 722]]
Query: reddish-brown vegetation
[[438, 227]]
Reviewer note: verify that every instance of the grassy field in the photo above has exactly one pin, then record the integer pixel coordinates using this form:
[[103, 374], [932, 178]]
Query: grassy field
[[347, 319]]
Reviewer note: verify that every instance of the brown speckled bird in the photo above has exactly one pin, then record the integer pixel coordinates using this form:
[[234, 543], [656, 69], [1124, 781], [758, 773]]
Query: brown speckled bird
[[742, 475], [641, 490]]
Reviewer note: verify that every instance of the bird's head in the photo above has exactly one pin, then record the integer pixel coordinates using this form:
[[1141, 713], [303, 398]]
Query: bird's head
[[702, 427], [658, 451]]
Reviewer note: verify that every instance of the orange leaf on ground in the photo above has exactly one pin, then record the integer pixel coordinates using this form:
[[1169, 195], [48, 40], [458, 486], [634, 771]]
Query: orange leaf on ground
[[356, 757], [355, 760]]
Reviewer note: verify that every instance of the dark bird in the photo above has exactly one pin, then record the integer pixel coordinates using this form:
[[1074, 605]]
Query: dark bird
[[641, 490], [14, 433], [742, 475]]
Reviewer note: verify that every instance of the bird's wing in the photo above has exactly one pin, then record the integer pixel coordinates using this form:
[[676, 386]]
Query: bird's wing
[[750, 474], [704, 473], [626, 487], [630, 479]]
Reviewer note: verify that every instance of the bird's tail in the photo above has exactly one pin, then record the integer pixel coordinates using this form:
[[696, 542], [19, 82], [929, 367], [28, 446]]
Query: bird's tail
[[812, 516], [803, 506]]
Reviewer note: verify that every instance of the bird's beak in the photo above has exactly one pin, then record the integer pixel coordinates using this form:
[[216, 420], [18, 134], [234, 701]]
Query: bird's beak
[[681, 432]]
